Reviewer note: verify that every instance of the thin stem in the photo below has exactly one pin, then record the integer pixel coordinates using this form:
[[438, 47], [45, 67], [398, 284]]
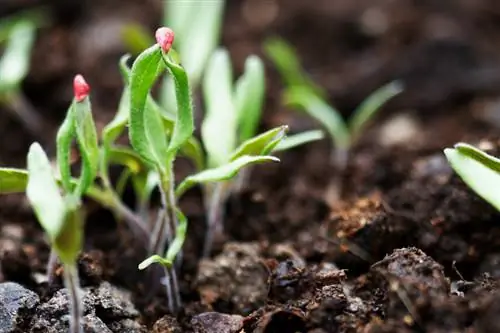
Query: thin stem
[[242, 179], [75, 301], [215, 215], [51, 266], [338, 159]]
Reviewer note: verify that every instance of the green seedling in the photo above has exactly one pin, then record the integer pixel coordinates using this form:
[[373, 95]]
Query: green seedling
[[479, 170], [302, 93]]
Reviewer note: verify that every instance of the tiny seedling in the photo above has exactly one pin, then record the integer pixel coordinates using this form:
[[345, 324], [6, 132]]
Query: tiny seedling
[[301, 92], [479, 170]]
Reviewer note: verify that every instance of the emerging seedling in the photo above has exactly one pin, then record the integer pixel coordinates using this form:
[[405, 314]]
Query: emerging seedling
[[302, 93], [479, 170]]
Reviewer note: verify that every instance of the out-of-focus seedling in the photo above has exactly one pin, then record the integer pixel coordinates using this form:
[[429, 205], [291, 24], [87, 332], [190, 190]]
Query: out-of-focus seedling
[[302, 93], [479, 170]]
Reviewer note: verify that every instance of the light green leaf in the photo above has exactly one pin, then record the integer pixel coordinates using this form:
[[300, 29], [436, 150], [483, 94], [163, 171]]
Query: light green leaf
[[295, 140], [184, 122], [249, 97], [146, 132], [318, 109], [192, 149], [224, 172], [13, 180], [15, 60], [219, 126], [43, 193], [369, 107], [257, 145], [480, 171], [180, 236], [65, 135], [136, 38], [68, 242], [126, 157], [154, 259]]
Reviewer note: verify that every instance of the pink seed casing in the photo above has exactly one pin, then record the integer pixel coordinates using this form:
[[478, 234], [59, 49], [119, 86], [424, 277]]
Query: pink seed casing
[[165, 38], [81, 89]]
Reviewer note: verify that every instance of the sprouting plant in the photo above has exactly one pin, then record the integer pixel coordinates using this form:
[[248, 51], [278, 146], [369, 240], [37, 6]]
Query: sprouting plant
[[18, 33], [303, 93], [479, 170]]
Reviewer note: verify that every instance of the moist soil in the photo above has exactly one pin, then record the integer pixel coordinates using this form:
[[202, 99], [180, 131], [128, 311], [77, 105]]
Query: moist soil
[[409, 248]]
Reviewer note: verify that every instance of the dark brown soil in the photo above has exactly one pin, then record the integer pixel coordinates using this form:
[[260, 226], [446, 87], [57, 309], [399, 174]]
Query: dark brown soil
[[409, 249]]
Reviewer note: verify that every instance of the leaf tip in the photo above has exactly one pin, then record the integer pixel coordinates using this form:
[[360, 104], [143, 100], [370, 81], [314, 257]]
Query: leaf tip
[[165, 38], [81, 89]]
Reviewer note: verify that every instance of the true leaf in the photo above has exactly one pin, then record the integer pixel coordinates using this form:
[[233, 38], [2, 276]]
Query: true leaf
[[292, 141], [256, 145], [480, 171], [224, 172], [13, 180], [249, 97], [64, 138]]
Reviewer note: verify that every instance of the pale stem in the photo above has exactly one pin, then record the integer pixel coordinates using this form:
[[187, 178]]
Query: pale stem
[[338, 159], [51, 266], [242, 179], [216, 200], [75, 299]]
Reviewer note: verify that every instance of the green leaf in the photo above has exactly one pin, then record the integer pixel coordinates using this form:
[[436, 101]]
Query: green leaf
[[256, 145], [15, 60], [249, 97], [13, 180], [146, 132], [86, 136], [128, 158], [221, 173], [184, 122], [68, 243], [154, 259], [43, 192], [286, 61], [318, 109], [144, 184], [480, 171], [366, 110], [65, 135], [219, 126], [292, 141], [180, 236], [192, 149], [136, 38]]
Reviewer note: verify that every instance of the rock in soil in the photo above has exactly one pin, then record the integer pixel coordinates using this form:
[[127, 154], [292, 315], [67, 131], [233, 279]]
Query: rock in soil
[[167, 324], [215, 322], [14, 301], [236, 277]]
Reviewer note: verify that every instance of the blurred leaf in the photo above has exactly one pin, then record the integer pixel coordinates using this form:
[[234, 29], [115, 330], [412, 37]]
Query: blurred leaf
[[480, 171], [180, 236], [249, 97], [146, 132], [126, 157], [154, 259], [13, 180], [136, 38], [144, 184], [39, 17], [192, 149], [292, 141], [184, 122], [221, 173], [15, 60], [64, 138], [368, 108], [219, 126], [256, 145], [318, 109]]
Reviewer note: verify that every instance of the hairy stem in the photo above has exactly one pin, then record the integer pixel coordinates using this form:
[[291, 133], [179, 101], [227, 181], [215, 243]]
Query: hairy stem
[[75, 301], [215, 202]]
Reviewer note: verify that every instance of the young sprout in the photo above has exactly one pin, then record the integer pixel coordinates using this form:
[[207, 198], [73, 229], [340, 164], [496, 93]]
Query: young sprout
[[302, 93], [479, 170]]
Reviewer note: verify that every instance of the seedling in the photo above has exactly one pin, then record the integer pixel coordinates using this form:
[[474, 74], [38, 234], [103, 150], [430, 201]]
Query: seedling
[[301, 92], [479, 170]]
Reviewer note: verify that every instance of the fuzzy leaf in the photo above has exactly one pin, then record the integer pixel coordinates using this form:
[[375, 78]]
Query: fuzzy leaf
[[249, 97], [295, 140], [68, 242], [64, 138], [369, 107], [480, 171], [154, 259], [13, 180], [256, 146], [192, 149], [15, 60], [224, 172], [219, 126], [318, 109], [146, 132]]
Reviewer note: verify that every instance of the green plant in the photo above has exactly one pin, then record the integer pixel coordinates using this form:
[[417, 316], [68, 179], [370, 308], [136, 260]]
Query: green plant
[[302, 93], [479, 170]]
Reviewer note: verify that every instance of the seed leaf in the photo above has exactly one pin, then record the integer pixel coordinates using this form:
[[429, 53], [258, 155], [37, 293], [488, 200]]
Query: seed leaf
[[64, 138], [326, 115], [128, 158], [146, 132], [68, 242], [192, 149], [249, 97], [480, 171], [369, 107], [224, 172], [219, 126], [180, 237], [292, 141], [256, 146], [13, 180], [154, 259]]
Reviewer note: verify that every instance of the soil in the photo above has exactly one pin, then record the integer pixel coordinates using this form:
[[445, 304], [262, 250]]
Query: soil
[[409, 248]]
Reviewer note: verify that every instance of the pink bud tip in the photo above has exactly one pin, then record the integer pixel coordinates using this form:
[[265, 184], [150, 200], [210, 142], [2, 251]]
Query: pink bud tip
[[81, 88], [165, 38]]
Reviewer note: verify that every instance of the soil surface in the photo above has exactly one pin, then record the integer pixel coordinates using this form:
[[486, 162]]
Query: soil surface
[[408, 249]]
